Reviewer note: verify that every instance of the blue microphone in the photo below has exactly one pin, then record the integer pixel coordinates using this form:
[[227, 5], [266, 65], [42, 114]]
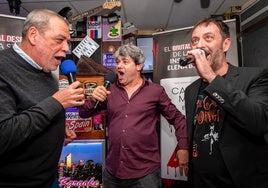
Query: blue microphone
[[68, 68]]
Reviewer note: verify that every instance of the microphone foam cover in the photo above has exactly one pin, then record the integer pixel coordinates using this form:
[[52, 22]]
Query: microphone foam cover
[[67, 66]]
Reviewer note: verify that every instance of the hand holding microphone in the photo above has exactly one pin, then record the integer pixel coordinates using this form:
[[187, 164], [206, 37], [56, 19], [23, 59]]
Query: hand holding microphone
[[202, 65], [186, 60], [108, 80], [73, 95]]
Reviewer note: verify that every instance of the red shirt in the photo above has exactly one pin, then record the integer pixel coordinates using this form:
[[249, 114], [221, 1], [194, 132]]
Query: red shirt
[[132, 135]]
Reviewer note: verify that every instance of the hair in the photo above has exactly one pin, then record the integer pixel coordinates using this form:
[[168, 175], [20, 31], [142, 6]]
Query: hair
[[39, 18], [223, 27], [132, 51]]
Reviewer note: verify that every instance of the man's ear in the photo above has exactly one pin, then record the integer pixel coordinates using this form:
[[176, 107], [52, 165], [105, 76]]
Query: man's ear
[[33, 35], [140, 66], [226, 44]]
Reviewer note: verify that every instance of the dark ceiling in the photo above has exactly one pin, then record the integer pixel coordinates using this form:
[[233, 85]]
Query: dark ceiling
[[144, 14]]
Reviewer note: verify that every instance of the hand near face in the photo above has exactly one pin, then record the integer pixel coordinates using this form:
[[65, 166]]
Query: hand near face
[[203, 65]]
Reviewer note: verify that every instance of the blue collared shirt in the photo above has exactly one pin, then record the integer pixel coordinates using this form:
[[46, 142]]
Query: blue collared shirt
[[26, 57]]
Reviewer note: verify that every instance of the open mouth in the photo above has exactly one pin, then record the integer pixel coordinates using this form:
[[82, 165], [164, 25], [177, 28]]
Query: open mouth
[[59, 58], [120, 73]]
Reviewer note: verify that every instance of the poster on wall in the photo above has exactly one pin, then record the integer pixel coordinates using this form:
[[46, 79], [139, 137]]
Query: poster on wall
[[111, 31], [94, 27], [10, 30], [168, 48], [86, 47], [108, 60], [81, 163]]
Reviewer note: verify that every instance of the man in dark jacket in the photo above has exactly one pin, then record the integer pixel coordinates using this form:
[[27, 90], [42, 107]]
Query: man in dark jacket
[[227, 115]]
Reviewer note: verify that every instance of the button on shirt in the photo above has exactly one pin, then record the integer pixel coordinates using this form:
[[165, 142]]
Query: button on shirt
[[132, 136]]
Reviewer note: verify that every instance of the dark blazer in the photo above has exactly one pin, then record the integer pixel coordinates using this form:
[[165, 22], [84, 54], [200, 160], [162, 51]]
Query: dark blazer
[[243, 94]]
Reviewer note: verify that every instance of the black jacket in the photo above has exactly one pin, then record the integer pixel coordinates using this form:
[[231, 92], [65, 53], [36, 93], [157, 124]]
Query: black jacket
[[243, 95]]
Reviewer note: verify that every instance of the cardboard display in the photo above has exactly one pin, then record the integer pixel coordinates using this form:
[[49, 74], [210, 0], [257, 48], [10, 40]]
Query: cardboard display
[[85, 128]]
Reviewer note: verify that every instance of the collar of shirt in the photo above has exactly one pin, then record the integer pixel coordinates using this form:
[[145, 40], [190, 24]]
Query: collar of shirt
[[26, 57]]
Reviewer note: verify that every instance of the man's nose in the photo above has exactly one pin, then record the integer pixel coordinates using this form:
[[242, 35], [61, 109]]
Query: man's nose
[[65, 47]]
